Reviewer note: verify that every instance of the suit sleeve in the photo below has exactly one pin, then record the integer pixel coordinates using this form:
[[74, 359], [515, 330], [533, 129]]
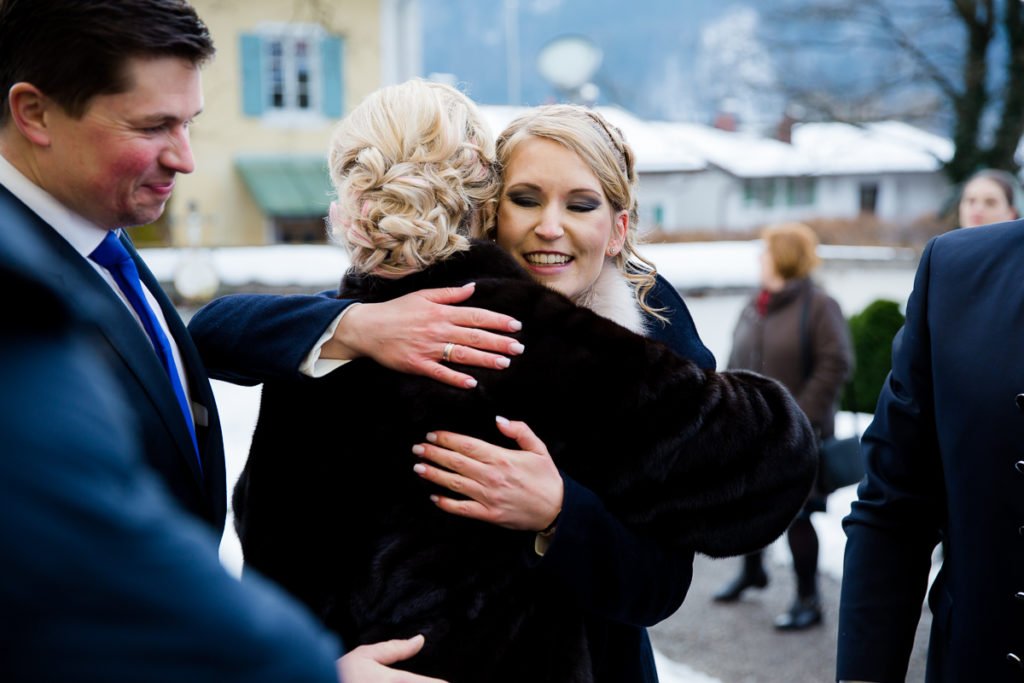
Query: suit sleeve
[[252, 338], [612, 571], [895, 523], [103, 578]]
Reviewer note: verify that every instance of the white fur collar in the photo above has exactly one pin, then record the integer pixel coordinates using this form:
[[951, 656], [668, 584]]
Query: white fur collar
[[612, 297]]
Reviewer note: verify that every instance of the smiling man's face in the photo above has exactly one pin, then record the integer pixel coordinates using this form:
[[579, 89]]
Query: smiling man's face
[[116, 165]]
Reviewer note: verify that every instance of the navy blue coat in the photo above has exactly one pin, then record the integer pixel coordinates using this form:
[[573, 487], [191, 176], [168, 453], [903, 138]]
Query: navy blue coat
[[944, 464], [679, 333], [103, 577]]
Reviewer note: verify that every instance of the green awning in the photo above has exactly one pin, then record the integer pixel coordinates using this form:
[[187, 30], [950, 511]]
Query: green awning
[[287, 185]]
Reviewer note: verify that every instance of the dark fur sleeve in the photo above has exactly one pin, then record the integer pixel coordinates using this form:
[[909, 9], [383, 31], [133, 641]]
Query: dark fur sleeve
[[719, 462]]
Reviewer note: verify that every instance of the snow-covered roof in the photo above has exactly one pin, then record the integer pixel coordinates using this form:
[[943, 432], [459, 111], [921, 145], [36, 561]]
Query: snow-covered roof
[[817, 149], [840, 148], [741, 154], [653, 154]]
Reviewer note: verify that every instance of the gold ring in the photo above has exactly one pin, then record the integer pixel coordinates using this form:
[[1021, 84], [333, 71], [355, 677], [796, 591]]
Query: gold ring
[[446, 355]]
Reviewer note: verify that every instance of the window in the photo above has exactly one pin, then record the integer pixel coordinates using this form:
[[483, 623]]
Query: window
[[291, 73], [658, 216], [868, 197], [800, 191], [300, 230], [759, 192]]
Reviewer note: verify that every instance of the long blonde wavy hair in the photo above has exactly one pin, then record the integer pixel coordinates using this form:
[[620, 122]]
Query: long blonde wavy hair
[[605, 151], [413, 168]]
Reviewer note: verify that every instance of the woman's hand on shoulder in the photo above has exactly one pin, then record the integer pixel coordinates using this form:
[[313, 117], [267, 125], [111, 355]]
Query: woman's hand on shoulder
[[421, 332], [515, 489], [370, 663]]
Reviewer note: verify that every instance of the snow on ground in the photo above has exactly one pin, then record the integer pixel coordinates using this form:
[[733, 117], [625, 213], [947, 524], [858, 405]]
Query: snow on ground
[[675, 672], [688, 266]]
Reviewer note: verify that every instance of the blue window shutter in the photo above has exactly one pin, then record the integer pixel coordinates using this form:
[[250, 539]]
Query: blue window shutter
[[253, 99], [332, 81]]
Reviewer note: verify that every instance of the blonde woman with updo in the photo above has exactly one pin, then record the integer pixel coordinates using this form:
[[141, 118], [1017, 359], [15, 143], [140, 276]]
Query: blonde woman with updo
[[636, 459]]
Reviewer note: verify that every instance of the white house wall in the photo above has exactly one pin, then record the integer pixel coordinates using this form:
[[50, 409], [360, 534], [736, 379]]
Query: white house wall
[[902, 197], [914, 195], [689, 201], [711, 200]]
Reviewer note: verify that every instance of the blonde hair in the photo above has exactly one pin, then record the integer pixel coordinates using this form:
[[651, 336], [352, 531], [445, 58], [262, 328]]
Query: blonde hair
[[604, 150], [792, 248], [413, 168]]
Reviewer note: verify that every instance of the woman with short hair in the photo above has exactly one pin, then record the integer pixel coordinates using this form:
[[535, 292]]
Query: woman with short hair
[[793, 331]]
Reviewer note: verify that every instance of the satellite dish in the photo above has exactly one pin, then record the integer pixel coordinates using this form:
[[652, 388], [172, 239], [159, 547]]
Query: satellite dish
[[569, 62]]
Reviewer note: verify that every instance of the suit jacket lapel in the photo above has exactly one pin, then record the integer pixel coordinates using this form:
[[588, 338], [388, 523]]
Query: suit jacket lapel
[[203, 405], [74, 277]]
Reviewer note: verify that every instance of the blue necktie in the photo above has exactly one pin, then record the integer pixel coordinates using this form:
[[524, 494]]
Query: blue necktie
[[112, 255]]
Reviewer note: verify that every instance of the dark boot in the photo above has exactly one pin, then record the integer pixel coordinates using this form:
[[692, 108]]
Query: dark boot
[[805, 613], [750, 577]]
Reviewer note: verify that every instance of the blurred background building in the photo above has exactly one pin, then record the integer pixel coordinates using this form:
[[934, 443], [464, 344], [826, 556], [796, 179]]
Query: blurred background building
[[284, 73], [860, 118]]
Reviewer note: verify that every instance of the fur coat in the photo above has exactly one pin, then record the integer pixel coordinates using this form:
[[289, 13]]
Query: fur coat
[[328, 505]]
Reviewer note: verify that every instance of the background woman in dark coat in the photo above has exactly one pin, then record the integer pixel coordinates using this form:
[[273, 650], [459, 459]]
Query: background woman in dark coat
[[796, 333], [695, 460]]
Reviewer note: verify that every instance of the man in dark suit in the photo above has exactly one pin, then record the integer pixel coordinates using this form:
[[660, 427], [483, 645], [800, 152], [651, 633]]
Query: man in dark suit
[[93, 134], [97, 100], [945, 463]]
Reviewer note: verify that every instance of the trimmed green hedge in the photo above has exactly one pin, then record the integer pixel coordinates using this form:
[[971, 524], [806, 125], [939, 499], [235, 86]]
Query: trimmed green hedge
[[872, 331]]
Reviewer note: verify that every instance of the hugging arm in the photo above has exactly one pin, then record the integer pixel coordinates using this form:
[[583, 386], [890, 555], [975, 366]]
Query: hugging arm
[[611, 571], [253, 338]]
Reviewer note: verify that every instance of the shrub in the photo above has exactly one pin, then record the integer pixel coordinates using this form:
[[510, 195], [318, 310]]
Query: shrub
[[872, 331]]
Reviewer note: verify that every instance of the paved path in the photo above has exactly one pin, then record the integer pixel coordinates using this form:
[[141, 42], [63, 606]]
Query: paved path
[[737, 644]]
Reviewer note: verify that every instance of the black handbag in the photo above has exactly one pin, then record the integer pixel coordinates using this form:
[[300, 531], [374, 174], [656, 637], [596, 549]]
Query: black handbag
[[840, 463], [839, 460]]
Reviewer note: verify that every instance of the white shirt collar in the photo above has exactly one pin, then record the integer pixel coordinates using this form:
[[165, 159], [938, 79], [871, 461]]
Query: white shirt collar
[[81, 234]]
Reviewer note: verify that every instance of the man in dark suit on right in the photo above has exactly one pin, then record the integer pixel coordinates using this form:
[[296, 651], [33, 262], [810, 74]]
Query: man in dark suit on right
[[945, 463]]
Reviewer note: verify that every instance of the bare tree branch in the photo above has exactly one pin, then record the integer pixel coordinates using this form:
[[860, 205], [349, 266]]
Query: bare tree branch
[[1002, 153], [911, 48]]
